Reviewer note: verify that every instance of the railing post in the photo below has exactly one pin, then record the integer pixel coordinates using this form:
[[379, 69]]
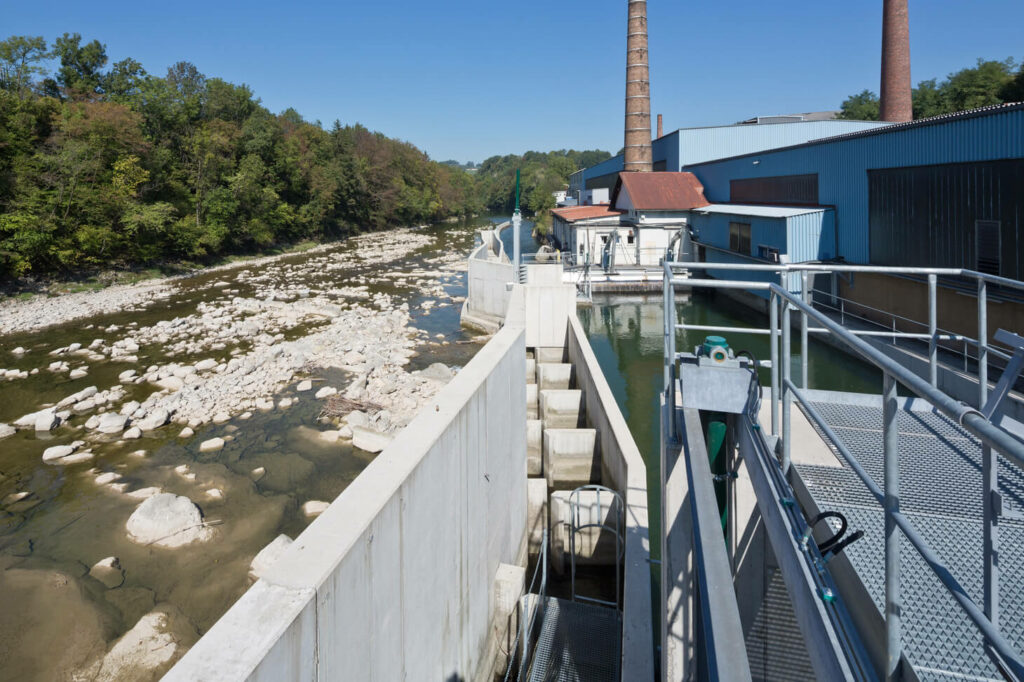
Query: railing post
[[890, 431], [773, 323], [933, 346], [990, 474], [804, 278], [669, 314], [787, 396]]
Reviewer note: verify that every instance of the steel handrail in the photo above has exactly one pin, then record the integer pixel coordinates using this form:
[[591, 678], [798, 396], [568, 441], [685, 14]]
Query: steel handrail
[[1006, 652], [966, 416]]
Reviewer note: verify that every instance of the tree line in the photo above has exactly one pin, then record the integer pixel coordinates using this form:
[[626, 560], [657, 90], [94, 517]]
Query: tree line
[[111, 166], [988, 82], [542, 173]]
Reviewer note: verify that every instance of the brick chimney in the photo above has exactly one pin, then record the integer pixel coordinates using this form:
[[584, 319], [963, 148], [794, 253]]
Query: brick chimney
[[895, 102], [637, 150], [660, 131]]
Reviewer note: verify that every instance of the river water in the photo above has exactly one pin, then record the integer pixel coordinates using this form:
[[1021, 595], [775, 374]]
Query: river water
[[627, 336], [56, 522]]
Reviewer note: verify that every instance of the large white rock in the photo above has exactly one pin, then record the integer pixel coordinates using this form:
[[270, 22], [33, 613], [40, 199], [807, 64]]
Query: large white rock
[[46, 420], [268, 556], [149, 649], [326, 392], [315, 508], [211, 445], [369, 440], [206, 365], [111, 422], [304, 385], [154, 420], [133, 433], [167, 520], [108, 571], [7, 430], [171, 383], [57, 452], [78, 373]]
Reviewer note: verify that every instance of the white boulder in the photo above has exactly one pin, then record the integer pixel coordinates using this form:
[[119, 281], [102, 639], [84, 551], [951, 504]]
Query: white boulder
[[111, 422], [167, 520], [211, 445]]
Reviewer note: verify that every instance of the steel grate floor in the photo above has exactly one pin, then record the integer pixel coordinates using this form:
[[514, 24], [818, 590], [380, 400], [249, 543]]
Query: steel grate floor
[[577, 643], [941, 489]]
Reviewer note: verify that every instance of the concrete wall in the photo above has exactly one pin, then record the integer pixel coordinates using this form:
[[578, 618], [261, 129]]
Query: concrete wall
[[625, 470], [394, 581], [543, 310], [489, 272]]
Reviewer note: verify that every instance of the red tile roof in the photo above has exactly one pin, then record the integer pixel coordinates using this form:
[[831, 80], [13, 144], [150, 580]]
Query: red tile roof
[[661, 191], [571, 214]]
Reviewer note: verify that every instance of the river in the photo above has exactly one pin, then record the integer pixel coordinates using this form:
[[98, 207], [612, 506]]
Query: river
[[401, 293]]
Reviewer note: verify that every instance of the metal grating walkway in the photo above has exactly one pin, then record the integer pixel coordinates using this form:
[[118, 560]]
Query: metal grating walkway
[[577, 643], [941, 491]]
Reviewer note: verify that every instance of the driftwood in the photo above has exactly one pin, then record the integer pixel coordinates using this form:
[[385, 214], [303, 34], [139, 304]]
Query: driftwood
[[339, 406]]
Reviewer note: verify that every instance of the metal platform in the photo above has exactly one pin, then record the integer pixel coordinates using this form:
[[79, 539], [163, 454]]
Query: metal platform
[[577, 643], [941, 484]]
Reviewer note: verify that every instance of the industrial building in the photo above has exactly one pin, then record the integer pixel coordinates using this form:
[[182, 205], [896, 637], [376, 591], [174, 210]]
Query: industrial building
[[938, 192], [688, 146]]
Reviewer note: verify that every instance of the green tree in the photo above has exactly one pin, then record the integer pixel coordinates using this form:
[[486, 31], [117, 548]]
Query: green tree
[[19, 62], [80, 65], [929, 100], [979, 86], [863, 106], [124, 81]]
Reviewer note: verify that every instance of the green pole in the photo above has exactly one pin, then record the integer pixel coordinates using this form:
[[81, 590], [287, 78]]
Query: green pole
[[517, 190]]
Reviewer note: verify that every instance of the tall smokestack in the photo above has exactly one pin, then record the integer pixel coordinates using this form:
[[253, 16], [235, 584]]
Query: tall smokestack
[[895, 103], [638, 91], [660, 132]]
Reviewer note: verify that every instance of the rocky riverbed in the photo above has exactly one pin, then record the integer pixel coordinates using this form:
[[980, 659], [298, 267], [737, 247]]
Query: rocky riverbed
[[154, 439]]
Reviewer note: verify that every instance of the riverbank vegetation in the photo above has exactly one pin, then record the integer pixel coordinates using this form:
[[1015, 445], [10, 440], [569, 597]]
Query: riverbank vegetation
[[110, 166], [988, 82], [542, 173]]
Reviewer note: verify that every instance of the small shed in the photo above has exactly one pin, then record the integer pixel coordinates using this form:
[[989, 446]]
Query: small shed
[[734, 233]]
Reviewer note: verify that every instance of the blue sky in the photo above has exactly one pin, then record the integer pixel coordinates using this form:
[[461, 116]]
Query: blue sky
[[467, 80]]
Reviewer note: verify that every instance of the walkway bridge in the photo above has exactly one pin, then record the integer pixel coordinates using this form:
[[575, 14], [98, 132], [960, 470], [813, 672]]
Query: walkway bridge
[[866, 536]]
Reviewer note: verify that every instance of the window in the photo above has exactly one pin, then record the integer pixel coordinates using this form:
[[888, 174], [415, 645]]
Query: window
[[629, 237], [604, 239], [739, 237], [768, 253], [581, 248], [986, 234]]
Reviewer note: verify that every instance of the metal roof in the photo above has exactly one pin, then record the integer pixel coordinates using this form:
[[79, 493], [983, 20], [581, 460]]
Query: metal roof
[[661, 191], [760, 211], [571, 214], [885, 129]]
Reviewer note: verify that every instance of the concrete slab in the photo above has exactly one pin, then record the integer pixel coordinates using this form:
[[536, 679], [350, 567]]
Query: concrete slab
[[531, 371], [808, 447], [534, 447], [553, 354], [561, 409], [571, 458], [552, 375], [536, 513], [532, 411]]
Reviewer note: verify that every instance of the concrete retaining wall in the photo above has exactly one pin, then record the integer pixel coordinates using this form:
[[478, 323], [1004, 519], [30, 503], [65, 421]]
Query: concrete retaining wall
[[626, 471], [489, 274], [394, 581]]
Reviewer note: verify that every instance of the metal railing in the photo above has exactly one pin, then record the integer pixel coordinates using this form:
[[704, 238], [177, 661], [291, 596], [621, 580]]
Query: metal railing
[[525, 630], [994, 439]]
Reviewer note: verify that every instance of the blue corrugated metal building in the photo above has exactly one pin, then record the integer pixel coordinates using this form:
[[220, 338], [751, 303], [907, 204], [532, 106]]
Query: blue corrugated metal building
[[695, 145], [730, 233], [946, 191]]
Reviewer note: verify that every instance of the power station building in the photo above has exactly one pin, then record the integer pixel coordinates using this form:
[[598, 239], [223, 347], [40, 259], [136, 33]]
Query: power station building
[[687, 146]]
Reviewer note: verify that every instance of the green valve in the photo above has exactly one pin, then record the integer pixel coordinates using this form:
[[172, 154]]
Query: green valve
[[827, 595]]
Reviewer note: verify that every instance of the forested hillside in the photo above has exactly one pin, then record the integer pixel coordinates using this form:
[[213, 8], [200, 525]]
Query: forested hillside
[[106, 166], [542, 174]]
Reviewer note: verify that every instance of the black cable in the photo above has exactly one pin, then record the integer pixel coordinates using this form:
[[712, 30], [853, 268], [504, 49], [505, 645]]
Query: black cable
[[825, 546], [834, 551]]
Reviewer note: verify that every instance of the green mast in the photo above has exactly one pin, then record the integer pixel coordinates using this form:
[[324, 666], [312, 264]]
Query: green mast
[[517, 190]]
